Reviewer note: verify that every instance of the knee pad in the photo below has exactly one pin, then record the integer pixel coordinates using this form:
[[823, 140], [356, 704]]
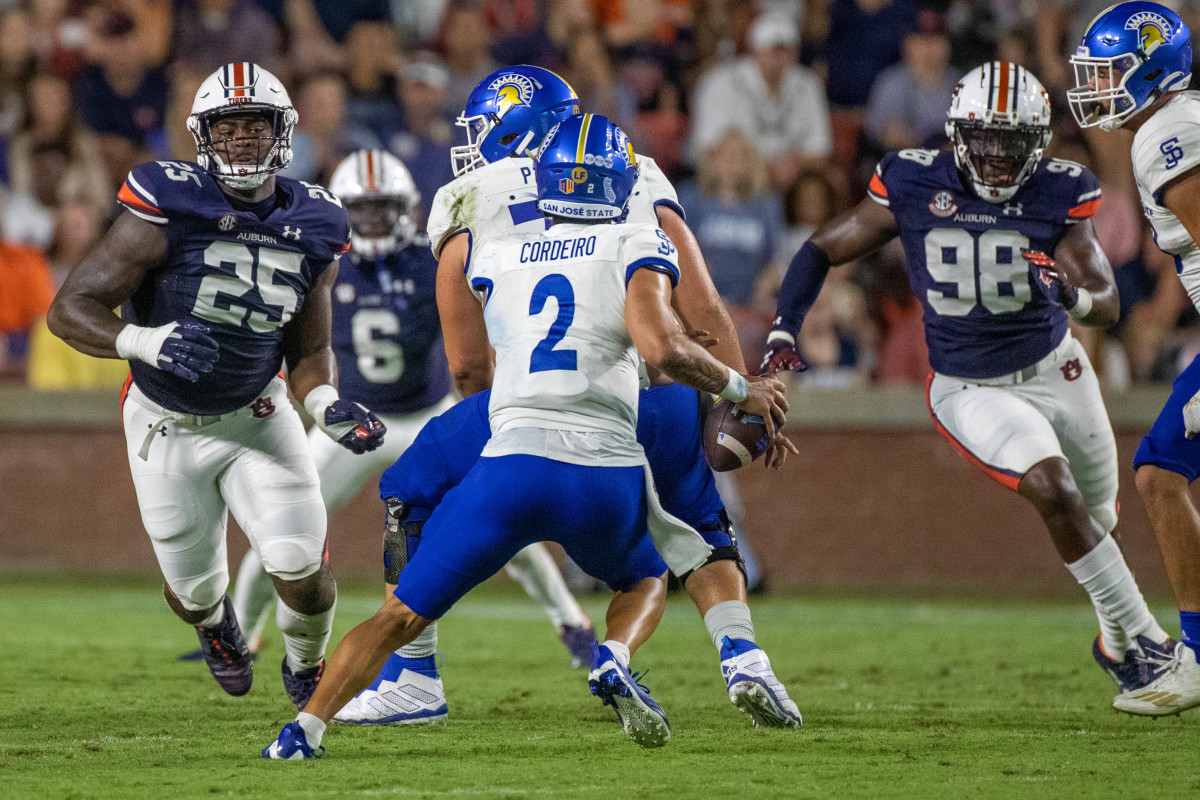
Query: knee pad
[[293, 557], [723, 541], [401, 537], [200, 592], [1105, 515]]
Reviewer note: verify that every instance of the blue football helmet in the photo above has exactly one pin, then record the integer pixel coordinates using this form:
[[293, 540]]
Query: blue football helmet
[[1130, 56], [586, 170], [509, 113]]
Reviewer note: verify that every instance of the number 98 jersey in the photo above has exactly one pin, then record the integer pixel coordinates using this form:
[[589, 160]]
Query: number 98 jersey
[[983, 315], [241, 269]]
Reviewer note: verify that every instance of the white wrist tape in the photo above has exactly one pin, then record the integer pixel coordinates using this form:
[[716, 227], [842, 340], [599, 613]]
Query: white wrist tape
[[735, 390], [781, 336], [1083, 306], [318, 400], [135, 343]]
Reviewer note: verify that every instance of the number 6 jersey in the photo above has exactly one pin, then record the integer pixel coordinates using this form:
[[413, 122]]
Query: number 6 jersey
[[241, 269], [983, 315]]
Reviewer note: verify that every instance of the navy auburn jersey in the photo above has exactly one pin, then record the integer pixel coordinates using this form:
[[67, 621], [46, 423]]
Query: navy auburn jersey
[[668, 428], [983, 315], [241, 269], [387, 337]]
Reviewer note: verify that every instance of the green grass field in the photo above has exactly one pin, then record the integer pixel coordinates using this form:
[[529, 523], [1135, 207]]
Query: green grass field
[[900, 699]]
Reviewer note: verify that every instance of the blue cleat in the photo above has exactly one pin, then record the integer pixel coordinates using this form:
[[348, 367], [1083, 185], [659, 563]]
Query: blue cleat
[[579, 643], [753, 687], [224, 650], [642, 718], [408, 691], [301, 685], [1127, 672], [292, 745]]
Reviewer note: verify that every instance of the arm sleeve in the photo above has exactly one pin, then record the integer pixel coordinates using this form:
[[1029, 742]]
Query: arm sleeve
[[800, 288], [648, 247]]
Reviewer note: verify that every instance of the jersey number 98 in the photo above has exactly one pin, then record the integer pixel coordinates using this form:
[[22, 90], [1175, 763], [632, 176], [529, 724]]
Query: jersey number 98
[[954, 255]]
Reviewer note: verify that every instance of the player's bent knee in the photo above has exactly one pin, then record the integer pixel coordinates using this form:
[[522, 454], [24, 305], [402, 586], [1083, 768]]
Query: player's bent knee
[[1155, 484], [1105, 515], [200, 593], [291, 559], [1051, 487], [724, 544]]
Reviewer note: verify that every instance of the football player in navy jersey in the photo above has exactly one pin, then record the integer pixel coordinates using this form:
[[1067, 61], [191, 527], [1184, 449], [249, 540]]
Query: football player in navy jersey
[[1000, 252], [224, 273]]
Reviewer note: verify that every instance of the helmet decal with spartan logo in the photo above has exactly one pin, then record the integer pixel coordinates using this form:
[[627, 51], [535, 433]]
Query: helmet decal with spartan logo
[[512, 89], [1153, 30]]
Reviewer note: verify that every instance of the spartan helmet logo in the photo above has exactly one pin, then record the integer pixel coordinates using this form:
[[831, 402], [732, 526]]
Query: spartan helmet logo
[[511, 90], [1153, 30]]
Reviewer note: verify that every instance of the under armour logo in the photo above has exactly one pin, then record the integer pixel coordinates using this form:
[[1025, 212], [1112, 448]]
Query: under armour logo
[[1072, 369], [262, 408], [162, 430], [1012, 209], [291, 233]]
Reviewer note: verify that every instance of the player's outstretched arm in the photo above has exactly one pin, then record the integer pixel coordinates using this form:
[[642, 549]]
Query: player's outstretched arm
[[659, 340], [859, 232], [463, 329], [1080, 264], [695, 298], [312, 372], [82, 313]]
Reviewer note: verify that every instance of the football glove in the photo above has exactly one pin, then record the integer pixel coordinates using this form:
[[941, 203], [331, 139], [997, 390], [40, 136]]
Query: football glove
[[1050, 278], [350, 424], [781, 354], [181, 348], [1191, 417]]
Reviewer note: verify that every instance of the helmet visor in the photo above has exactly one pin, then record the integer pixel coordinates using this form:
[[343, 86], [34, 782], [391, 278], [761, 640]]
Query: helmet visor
[[999, 155]]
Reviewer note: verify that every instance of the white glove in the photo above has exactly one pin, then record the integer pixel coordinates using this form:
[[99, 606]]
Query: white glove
[[1191, 416]]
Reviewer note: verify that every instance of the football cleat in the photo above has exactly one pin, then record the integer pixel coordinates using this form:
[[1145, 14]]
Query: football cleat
[[301, 685], [408, 691], [753, 687], [579, 643], [642, 718], [1176, 689], [225, 652], [292, 745], [1127, 672]]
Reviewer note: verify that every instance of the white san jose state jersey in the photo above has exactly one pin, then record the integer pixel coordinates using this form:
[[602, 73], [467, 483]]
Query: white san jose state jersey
[[554, 305], [500, 199], [1164, 148]]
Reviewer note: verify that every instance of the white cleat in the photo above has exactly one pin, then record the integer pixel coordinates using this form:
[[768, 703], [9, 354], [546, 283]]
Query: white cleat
[[1176, 690], [753, 687], [408, 692]]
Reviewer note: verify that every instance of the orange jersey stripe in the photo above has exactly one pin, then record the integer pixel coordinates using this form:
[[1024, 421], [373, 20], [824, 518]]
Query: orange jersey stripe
[[1085, 210], [876, 186], [127, 196]]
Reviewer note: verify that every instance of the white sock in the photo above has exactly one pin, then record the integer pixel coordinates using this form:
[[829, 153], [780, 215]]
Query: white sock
[[423, 646], [313, 728], [253, 594], [620, 651], [215, 617], [1120, 607], [730, 618], [304, 635], [535, 570]]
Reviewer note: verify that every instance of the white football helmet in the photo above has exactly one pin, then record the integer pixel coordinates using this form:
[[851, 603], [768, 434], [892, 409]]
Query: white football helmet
[[238, 89], [381, 199], [999, 123]]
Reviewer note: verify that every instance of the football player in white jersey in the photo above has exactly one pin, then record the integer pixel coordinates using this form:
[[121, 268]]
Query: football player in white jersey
[[1131, 70], [495, 194], [567, 311]]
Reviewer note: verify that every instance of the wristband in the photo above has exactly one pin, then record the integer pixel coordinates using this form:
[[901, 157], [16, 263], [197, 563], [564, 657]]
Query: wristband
[[781, 336], [1083, 306], [136, 343], [318, 400], [735, 390]]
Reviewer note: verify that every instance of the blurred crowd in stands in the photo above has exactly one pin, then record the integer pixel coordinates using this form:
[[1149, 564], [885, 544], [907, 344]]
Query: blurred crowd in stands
[[769, 115]]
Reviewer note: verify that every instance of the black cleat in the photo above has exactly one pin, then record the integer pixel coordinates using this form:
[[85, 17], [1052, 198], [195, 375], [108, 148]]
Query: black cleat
[[226, 654], [301, 685]]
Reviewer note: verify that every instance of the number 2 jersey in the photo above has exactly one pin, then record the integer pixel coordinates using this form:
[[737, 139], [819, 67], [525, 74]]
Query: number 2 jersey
[[242, 269], [983, 315], [386, 334]]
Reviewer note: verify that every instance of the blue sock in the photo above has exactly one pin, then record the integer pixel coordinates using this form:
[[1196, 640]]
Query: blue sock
[[1189, 623]]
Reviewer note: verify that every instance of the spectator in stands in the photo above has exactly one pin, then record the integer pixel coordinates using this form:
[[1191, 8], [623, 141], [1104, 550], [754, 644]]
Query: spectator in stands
[[590, 73], [864, 40], [546, 44], [465, 42], [810, 202], [122, 98], [58, 39], [908, 103], [26, 290], [211, 33], [323, 135], [660, 127], [17, 64], [184, 85], [738, 225], [372, 63], [50, 120], [779, 104], [423, 144], [28, 216]]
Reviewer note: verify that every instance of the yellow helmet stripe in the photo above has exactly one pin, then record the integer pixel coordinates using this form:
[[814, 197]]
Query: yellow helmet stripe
[[583, 134]]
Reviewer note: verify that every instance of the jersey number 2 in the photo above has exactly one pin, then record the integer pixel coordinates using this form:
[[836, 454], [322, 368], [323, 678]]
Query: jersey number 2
[[545, 357]]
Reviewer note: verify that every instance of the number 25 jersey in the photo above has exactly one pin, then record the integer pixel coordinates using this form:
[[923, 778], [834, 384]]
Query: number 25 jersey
[[983, 315], [241, 275]]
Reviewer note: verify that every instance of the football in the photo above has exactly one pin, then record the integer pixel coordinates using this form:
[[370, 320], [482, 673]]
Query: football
[[733, 438]]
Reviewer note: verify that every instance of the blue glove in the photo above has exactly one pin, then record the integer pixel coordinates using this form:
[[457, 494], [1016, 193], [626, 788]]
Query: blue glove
[[353, 426], [1050, 278], [181, 348], [781, 354]]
